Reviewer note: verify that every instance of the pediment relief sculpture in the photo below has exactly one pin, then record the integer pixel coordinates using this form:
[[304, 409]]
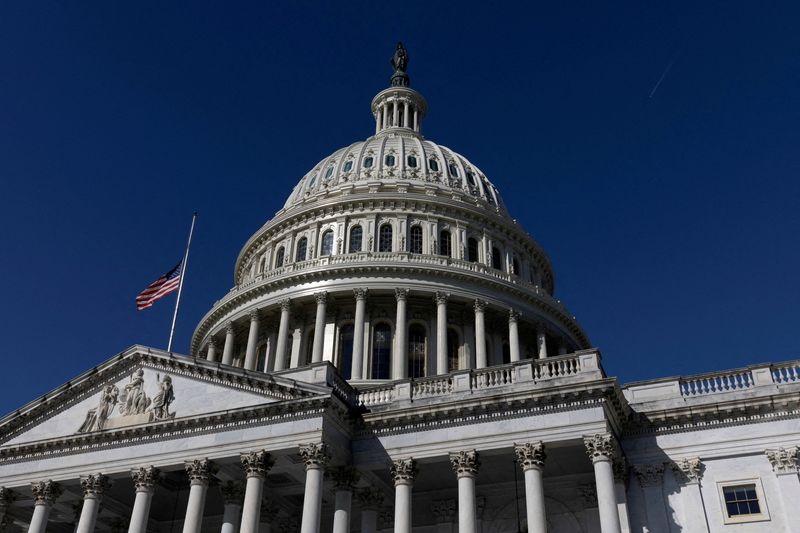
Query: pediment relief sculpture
[[130, 404]]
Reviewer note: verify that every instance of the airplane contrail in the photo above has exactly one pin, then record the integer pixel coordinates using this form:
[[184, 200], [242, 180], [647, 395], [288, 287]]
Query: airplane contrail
[[663, 75]]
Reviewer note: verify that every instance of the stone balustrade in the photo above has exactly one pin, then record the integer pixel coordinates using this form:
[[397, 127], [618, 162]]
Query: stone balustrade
[[711, 384], [576, 367]]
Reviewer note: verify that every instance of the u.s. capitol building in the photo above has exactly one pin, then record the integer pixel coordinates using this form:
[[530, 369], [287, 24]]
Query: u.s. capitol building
[[392, 357]]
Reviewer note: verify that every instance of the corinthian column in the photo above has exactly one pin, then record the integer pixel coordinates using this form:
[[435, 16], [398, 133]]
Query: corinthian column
[[227, 349], [601, 451], [252, 340], [480, 335], [358, 335], [404, 471], [688, 472], [465, 464], [199, 472], [371, 500], [211, 356], [400, 356], [513, 336], [45, 494], [784, 464], [344, 479], [144, 479], [530, 457], [232, 494], [319, 327], [283, 334], [315, 456], [93, 487], [255, 465], [441, 332]]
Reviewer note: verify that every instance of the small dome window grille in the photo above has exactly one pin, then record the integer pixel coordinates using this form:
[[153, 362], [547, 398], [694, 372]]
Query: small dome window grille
[[433, 165], [313, 180], [368, 162], [389, 160], [471, 178], [348, 166], [453, 170], [328, 173], [412, 161]]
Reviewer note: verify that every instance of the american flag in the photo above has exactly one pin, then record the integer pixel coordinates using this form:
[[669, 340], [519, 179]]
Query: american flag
[[161, 287]]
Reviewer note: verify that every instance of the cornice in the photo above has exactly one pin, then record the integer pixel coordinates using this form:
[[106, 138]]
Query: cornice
[[267, 414], [234, 300]]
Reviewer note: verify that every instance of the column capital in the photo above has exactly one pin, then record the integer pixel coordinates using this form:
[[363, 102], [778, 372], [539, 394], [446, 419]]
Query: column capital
[[344, 477], [689, 470], [254, 315], [441, 297], [45, 492], [144, 478], [444, 511], [404, 471], [314, 454], [530, 455], [599, 446], [480, 306], [465, 463], [401, 294], [650, 475], [256, 464], [228, 327], [232, 492], [783, 460], [94, 485], [513, 315], [361, 293], [199, 471], [286, 304], [370, 498], [211, 342], [321, 297]]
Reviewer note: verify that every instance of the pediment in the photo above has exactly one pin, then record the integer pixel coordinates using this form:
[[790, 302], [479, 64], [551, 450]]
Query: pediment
[[142, 388]]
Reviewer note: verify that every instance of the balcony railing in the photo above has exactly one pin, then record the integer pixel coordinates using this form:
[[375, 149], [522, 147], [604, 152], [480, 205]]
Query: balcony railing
[[579, 366]]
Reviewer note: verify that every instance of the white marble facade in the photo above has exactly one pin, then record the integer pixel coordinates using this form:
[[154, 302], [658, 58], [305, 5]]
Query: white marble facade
[[392, 358]]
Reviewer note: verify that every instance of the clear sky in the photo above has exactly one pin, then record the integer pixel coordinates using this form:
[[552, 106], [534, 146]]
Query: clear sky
[[650, 147]]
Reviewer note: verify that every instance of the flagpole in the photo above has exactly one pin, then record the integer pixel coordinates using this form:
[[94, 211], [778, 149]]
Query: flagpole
[[180, 285]]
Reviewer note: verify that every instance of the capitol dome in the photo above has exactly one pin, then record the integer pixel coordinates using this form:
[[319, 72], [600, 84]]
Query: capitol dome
[[394, 257]]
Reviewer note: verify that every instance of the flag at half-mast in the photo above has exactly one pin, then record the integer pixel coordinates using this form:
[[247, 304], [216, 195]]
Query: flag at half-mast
[[164, 285]]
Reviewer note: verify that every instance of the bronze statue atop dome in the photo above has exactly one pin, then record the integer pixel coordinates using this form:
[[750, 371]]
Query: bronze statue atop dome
[[400, 63]]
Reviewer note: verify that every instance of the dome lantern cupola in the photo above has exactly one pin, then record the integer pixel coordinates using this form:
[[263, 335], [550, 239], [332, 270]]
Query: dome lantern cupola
[[399, 107]]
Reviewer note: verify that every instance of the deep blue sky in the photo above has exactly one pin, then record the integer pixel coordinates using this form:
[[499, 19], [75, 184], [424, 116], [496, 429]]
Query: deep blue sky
[[671, 221]]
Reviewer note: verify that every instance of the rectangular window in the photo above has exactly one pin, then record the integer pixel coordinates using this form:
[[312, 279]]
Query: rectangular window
[[743, 501]]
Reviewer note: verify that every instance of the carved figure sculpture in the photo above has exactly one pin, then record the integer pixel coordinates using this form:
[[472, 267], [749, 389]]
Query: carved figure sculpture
[[133, 400], [163, 398], [400, 58]]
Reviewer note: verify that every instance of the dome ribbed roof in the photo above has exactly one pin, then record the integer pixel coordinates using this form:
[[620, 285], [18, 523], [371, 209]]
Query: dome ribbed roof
[[399, 156]]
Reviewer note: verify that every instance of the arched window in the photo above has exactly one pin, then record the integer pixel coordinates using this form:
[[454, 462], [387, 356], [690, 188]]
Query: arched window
[[471, 178], [515, 265], [328, 173], [279, 257], [412, 161], [302, 246], [389, 160], [368, 162], [348, 166], [497, 259], [452, 350], [416, 351], [444, 243], [472, 249], [381, 351], [327, 243], [433, 165], [453, 170], [312, 181], [385, 238], [356, 236], [416, 240], [345, 357]]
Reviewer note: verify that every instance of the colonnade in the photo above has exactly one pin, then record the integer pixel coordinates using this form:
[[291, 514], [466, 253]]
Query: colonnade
[[360, 353], [243, 506]]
